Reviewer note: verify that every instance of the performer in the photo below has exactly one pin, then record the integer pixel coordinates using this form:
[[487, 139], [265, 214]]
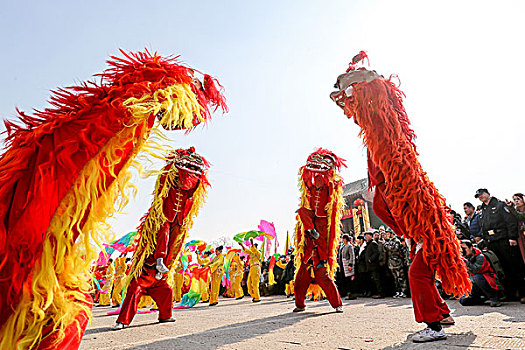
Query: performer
[[176, 277], [289, 273], [179, 193], [205, 296], [216, 271], [63, 170], [404, 198], [105, 297], [99, 273], [289, 289], [120, 274], [255, 270], [236, 272], [318, 228], [147, 302]]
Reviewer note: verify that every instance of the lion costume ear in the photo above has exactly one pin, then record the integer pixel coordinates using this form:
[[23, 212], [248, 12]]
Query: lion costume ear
[[361, 56], [213, 94]]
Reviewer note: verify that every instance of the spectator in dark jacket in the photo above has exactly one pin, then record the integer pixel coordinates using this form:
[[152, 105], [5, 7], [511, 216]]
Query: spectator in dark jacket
[[485, 282], [472, 220], [500, 230], [362, 279], [372, 258]]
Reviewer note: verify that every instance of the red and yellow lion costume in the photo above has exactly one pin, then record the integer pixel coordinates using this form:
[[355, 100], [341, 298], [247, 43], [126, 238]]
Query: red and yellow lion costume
[[62, 174], [319, 214], [179, 194], [405, 198]]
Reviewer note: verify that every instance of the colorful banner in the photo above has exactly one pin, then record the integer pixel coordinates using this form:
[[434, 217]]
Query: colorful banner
[[199, 278], [120, 245], [245, 236]]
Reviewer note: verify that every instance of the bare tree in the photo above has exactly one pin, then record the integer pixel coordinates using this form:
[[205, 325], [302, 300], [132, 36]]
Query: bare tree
[[223, 240]]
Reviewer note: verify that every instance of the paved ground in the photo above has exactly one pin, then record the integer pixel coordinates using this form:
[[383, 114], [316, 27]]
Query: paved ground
[[270, 324]]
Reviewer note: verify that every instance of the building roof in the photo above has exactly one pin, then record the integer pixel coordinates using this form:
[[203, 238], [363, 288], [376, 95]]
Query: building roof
[[356, 189]]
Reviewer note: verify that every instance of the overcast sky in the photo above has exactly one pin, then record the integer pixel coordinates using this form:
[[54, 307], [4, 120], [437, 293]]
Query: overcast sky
[[460, 65]]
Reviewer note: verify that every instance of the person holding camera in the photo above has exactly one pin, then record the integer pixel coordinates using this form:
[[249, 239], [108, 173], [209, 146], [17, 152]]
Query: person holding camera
[[485, 282]]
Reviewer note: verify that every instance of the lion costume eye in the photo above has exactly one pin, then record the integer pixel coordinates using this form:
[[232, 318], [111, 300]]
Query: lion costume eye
[[161, 114]]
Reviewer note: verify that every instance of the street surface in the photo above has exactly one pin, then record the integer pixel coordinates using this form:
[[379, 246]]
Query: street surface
[[365, 324]]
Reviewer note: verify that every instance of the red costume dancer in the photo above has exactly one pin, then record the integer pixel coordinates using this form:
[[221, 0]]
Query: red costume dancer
[[405, 198], [318, 228], [179, 194], [62, 173]]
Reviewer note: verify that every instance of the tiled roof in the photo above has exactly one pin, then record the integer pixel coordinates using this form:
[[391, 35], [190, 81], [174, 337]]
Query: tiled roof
[[354, 188]]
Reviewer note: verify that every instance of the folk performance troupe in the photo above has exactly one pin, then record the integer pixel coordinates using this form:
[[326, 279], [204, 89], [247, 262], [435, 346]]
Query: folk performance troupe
[[71, 164]]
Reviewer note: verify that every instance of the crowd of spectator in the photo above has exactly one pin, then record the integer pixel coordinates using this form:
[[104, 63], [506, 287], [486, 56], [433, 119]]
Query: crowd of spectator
[[375, 264], [492, 241]]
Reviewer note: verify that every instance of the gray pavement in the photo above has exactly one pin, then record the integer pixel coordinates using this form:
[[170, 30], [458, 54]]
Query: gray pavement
[[270, 324]]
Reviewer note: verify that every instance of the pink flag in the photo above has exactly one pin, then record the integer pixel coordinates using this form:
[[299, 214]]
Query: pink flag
[[267, 227], [102, 258]]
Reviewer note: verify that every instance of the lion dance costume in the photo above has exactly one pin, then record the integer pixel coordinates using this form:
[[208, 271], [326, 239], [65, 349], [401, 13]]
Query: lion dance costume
[[404, 197], [61, 175], [179, 194], [318, 228]]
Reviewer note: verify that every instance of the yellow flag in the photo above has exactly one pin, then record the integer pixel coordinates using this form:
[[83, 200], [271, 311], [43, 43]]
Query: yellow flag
[[287, 245]]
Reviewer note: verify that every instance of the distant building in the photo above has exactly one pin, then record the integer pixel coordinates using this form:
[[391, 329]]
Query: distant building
[[357, 219]]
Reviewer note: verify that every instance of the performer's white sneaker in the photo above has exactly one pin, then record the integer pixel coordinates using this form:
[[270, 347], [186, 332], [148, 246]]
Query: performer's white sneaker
[[396, 295], [427, 335], [339, 309], [402, 295], [119, 326]]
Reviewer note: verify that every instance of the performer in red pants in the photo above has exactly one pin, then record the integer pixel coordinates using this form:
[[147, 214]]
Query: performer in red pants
[[318, 228], [405, 199], [429, 307], [179, 193]]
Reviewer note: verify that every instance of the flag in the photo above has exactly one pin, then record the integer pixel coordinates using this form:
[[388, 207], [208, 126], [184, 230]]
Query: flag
[[276, 245], [119, 245], [287, 244], [245, 236], [271, 275], [267, 227], [267, 251]]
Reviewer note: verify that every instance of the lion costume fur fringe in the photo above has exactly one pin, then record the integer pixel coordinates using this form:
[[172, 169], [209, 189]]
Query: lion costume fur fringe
[[67, 169], [377, 107]]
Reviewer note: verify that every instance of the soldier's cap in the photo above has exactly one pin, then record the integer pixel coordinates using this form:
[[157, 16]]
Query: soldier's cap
[[481, 191], [369, 233]]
